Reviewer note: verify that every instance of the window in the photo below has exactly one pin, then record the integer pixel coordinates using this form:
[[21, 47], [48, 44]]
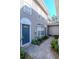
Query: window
[[40, 31]]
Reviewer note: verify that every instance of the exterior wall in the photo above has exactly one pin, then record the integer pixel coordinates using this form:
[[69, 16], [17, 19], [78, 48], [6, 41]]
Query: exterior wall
[[35, 20], [28, 1], [57, 7], [37, 8], [36, 17], [21, 3], [53, 30]]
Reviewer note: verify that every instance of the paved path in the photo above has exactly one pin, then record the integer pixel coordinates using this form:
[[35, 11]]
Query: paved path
[[41, 52]]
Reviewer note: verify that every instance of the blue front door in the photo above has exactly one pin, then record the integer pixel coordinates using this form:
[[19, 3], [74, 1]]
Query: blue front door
[[25, 34]]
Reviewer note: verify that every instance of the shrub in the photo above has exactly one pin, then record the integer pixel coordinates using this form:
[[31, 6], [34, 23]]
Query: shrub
[[38, 41], [22, 53], [45, 37], [54, 45], [56, 36], [35, 42], [29, 57]]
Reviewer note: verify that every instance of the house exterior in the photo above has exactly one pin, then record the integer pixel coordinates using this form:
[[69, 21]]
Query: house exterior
[[53, 27], [53, 30], [33, 20], [57, 7]]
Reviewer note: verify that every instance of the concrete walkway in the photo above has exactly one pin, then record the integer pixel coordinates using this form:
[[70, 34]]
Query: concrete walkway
[[41, 52]]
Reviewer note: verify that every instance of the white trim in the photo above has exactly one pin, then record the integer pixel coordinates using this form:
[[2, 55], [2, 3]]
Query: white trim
[[28, 22], [38, 29], [25, 21], [41, 28]]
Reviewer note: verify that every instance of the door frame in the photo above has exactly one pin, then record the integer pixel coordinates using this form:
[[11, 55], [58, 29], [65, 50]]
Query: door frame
[[27, 22]]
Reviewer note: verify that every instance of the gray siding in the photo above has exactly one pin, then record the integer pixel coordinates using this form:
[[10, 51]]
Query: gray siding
[[35, 19], [53, 30]]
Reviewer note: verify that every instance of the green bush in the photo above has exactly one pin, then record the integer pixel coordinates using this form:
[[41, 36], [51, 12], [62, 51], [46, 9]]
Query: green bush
[[38, 41], [54, 45], [35, 42], [56, 36], [45, 37], [22, 53], [29, 57]]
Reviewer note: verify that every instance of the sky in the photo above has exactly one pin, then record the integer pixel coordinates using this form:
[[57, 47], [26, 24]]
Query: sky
[[51, 7]]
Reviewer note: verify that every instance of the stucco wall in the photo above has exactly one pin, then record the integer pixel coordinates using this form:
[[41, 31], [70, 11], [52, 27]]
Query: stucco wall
[[53, 30]]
